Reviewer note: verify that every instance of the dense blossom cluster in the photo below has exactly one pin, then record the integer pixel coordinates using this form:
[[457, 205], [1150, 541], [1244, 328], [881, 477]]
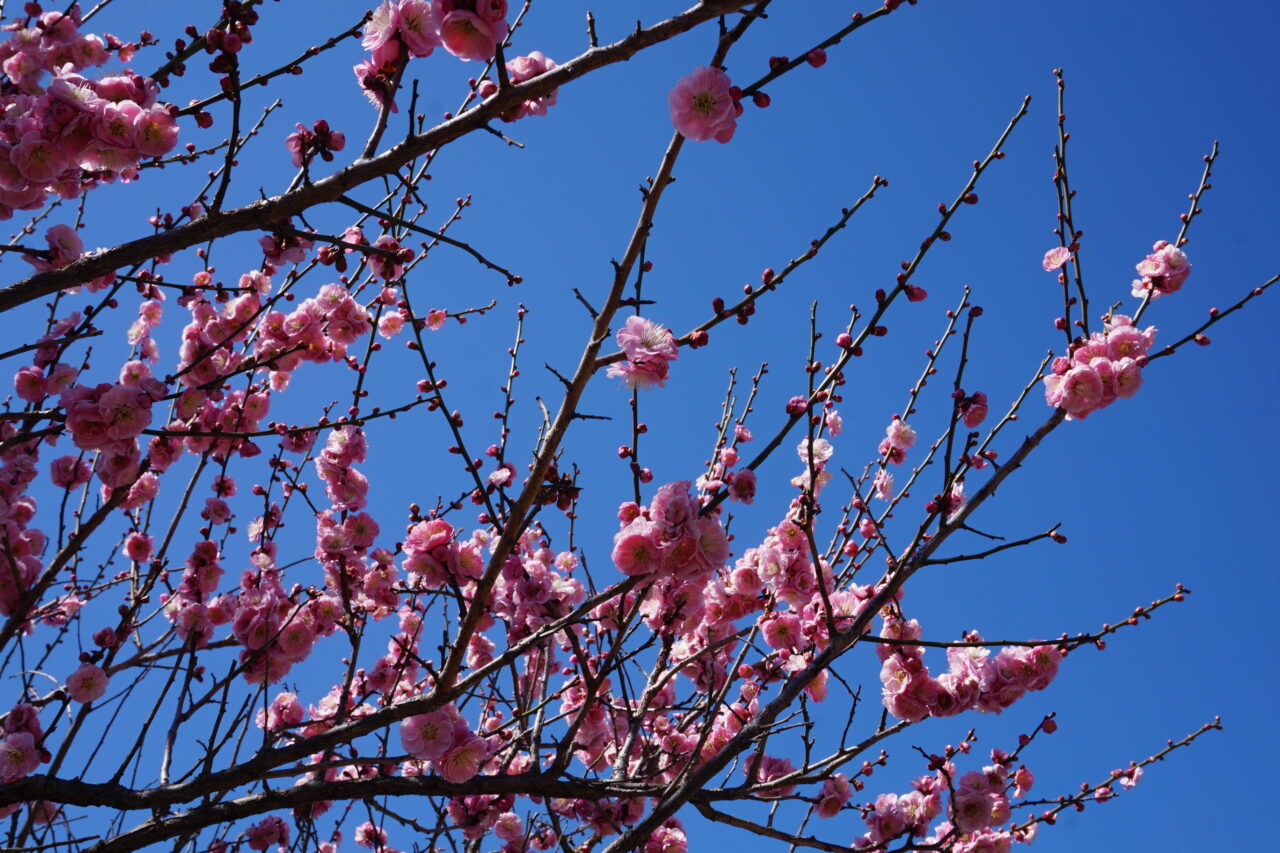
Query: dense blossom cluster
[[704, 105], [444, 738], [319, 330], [1163, 271], [672, 543], [468, 29], [1100, 370], [974, 678], [979, 802], [64, 134], [649, 349], [21, 749]]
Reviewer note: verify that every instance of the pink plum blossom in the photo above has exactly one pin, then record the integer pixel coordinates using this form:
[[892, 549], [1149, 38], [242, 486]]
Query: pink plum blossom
[[703, 106], [648, 348], [87, 684], [1056, 258]]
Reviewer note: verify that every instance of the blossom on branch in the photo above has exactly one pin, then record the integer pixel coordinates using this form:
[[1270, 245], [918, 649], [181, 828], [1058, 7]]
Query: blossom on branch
[[649, 348], [703, 106]]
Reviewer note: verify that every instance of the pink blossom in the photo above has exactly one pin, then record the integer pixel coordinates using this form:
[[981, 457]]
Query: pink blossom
[[820, 450], [69, 472], [137, 546], [973, 409], [429, 735], [368, 835], [1079, 391], [37, 159], [648, 348], [635, 549], [285, 710], [18, 756], [703, 107], [765, 770], [381, 27], [463, 759], [266, 833], [883, 484], [87, 684], [29, 383], [899, 435], [44, 812], [155, 132], [65, 245], [670, 837], [519, 70], [1055, 258], [835, 792], [417, 24], [1163, 271], [470, 29], [1129, 778], [742, 486], [391, 324]]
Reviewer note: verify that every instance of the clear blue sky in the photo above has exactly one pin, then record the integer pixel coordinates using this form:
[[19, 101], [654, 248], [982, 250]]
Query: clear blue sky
[[1174, 485]]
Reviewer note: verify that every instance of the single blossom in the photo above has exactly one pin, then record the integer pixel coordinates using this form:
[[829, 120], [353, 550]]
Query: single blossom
[[1056, 258], [87, 684], [703, 106]]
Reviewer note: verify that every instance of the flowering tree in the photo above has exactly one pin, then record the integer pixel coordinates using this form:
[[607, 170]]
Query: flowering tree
[[217, 634]]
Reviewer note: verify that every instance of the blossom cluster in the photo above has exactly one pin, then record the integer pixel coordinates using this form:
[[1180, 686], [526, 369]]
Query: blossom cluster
[[978, 804], [1163, 271], [675, 546], [1100, 370], [741, 483], [649, 349], [444, 738], [519, 70], [319, 330], [468, 29], [20, 749], [20, 559], [974, 678], [191, 608], [109, 418], [304, 145], [50, 135], [535, 587]]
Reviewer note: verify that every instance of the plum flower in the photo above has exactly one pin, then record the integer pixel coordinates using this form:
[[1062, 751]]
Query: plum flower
[[18, 756], [87, 684], [648, 348], [703, 106], [471, 29], [428, 735], [1106, 367], [519, 70], [1056, 258]]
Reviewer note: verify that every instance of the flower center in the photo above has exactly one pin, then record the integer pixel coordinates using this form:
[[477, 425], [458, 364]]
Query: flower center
[[704, 103]]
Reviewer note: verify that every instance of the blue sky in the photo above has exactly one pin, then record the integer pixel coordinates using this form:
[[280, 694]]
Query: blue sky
[[1173, 485]]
